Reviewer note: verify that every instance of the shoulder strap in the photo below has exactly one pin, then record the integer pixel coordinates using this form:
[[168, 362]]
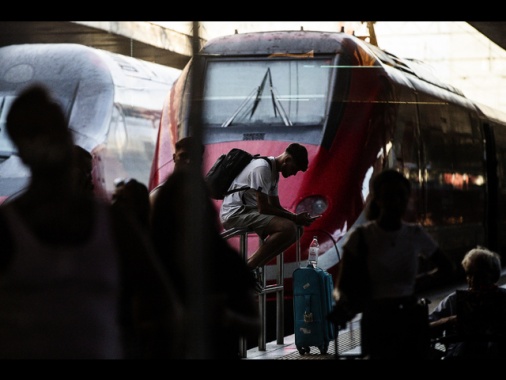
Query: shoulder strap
[[247, 187], [268, 161], [265, 158], [236, 190]]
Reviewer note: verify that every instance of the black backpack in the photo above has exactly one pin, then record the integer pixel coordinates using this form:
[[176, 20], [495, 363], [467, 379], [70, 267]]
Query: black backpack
[[225, 169]]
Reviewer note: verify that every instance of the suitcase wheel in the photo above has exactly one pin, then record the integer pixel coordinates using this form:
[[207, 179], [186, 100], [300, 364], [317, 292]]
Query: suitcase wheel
[[323, 348], [303, 350]]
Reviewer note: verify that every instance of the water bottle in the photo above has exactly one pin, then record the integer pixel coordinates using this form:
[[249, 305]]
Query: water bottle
[[314, 249]]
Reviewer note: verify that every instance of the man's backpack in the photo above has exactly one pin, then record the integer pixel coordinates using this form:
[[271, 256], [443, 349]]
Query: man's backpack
[[225, 169]]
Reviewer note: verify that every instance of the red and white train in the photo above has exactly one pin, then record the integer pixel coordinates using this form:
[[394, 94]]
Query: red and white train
[[358, 110]]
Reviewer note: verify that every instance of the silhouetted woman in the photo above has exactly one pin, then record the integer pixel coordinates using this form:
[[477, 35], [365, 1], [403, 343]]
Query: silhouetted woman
[[391, 326], [77, 280]]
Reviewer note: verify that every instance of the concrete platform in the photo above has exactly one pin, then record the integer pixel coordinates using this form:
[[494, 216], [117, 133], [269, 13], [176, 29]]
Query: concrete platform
[[348, 339]]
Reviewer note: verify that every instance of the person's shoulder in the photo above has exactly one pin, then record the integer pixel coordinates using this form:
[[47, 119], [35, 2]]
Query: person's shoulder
[[363, 228], [446, 301], [356, 231], [452, 296], [170, 187], [260, 162], [156, 189]]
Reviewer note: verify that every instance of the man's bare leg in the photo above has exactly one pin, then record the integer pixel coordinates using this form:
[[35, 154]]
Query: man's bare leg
[[282, 234]]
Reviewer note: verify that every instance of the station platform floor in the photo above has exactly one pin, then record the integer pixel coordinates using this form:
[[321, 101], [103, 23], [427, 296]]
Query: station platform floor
[[288, 351], [348, 339], [348, 343]]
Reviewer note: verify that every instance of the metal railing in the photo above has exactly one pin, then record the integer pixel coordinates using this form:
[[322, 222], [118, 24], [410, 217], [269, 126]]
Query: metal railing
[[276, 288]]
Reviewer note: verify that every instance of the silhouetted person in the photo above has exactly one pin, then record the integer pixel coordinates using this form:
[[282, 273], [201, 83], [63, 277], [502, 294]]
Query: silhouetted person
[[229, 288], [391, 325], [487, 338], [182, 158], [78, 280], [132, 197], [259, 207]]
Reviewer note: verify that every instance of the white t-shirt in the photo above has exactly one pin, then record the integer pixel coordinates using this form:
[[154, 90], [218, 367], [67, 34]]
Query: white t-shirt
[[258, 175], [392, 257]]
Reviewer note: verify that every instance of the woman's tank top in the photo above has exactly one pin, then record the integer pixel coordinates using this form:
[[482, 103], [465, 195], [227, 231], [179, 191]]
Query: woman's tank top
[[61, 302]]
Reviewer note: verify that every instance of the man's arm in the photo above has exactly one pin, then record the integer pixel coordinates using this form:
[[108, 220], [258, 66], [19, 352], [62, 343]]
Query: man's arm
[[274, 201], [270, 205]]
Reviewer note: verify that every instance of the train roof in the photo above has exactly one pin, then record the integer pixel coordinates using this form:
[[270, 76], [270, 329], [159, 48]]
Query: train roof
[[266, 43], [317, 42], [412, 66], [87, 82], [491, 114]]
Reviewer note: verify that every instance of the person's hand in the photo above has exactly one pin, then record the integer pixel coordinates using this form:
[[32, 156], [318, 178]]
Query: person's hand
[[442, 324], [305, 219]]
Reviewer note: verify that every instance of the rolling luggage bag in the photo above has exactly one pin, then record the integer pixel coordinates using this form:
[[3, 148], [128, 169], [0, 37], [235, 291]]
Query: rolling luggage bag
[[312, 302]]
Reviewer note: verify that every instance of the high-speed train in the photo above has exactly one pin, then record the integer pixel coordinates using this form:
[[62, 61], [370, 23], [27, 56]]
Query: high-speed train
[[112, 103], [358, 110]]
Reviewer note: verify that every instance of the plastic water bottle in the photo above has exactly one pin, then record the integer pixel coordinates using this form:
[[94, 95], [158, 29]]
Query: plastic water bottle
[[314, 250]]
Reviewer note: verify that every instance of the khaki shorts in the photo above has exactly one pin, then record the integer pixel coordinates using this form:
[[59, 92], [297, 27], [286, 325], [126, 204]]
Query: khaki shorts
[[251, 219]]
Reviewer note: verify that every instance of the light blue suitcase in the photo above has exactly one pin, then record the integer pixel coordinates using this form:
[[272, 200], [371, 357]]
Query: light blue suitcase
[[312, 302]]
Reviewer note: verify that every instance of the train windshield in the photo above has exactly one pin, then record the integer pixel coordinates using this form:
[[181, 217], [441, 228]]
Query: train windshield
[[281, 92]]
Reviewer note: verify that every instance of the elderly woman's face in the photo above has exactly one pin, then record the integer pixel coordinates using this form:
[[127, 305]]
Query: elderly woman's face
[[477, 277]]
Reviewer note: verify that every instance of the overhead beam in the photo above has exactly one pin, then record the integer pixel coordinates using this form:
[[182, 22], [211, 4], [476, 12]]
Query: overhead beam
[[145, 40], [142, 40], [495, 31]]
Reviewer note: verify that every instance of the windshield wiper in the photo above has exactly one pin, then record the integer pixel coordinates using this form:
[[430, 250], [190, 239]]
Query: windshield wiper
[[260, 91], [239, 109], [276, 104]]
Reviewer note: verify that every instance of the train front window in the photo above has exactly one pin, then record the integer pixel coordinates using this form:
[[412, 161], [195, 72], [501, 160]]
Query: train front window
[[267, 93]]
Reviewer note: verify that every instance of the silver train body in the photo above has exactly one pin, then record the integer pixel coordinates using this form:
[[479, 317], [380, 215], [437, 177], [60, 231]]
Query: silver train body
[[112, 103]]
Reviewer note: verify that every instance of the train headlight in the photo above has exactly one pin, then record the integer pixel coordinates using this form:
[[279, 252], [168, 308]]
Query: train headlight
[[315, 205]]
